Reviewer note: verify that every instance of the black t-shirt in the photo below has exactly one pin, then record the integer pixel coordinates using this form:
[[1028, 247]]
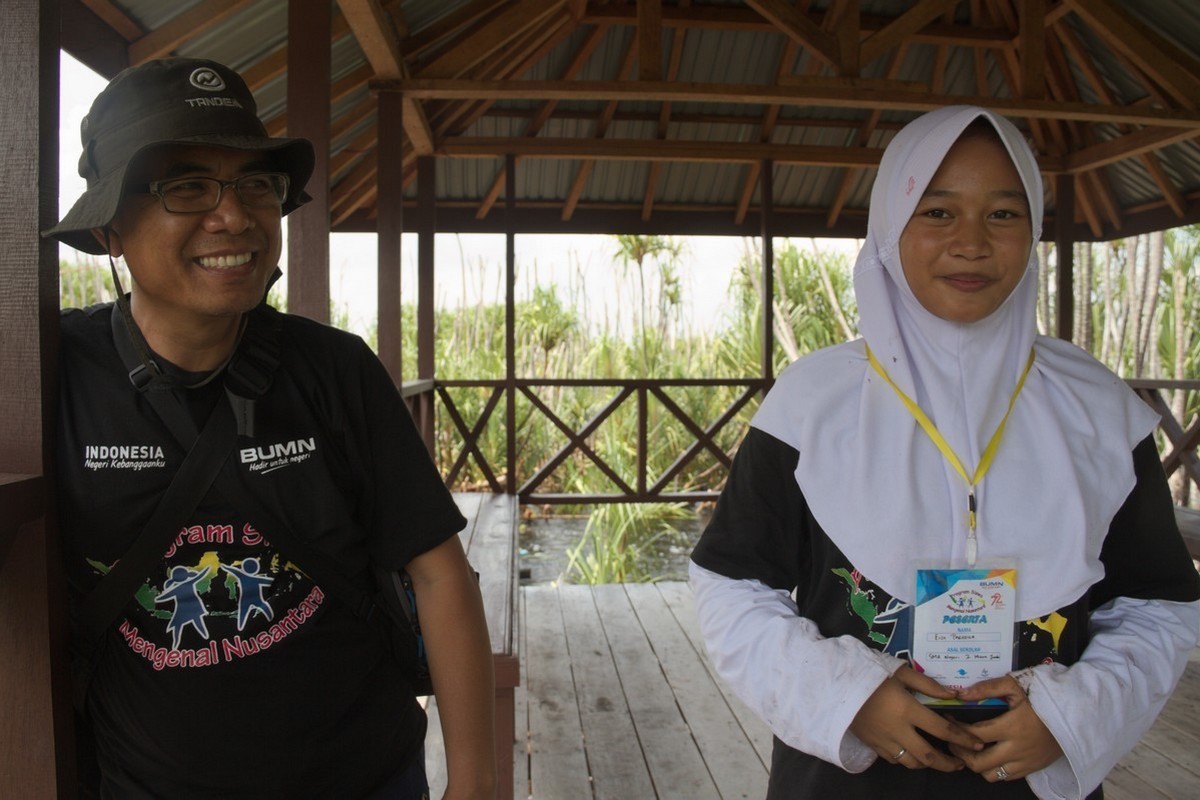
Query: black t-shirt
[[762, 529], [231, 673]]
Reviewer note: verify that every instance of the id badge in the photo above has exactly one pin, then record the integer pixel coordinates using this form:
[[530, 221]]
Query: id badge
[[964, 629]]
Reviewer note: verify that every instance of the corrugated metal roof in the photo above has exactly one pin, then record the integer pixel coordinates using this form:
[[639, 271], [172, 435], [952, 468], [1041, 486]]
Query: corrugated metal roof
[[729, 48]]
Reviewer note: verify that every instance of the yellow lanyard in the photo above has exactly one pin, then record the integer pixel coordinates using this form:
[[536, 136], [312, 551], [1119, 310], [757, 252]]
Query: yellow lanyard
[[989, 452]]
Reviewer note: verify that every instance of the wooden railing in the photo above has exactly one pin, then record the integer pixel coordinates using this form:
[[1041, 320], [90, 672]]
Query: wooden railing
[[636, 485], [1180, 442], [1181, 437]]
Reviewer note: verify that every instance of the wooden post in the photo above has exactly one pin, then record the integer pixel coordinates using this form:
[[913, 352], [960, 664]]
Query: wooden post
[[766, 203], [308, 96], [1064, 248], [37, 754], [388, 228], [510, 322], [426, 236]]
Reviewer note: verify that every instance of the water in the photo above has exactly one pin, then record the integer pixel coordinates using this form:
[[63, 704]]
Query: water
[[545, 542]]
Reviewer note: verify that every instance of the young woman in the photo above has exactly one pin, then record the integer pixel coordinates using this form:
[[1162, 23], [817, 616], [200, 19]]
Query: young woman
[[953, 443]]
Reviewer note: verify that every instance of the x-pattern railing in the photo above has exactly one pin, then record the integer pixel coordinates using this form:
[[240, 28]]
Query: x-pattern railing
[[1182, 436], [641, 486]]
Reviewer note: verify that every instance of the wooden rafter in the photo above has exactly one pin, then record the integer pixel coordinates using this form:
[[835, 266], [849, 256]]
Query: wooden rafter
[[649, 36], [903, 27], [828, 92], [770, 119], [800, 29], [351, 82], [598, 149], [585, 51], [116, 19], [602, 123], [445, 28], [162, 41], [732, 18], [678, 39], [499, 32], [381, 48], [1031, 45], [862, 139], [1176, 72]]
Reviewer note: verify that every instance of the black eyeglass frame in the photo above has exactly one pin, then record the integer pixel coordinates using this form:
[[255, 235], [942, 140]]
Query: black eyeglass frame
[[156, 188]]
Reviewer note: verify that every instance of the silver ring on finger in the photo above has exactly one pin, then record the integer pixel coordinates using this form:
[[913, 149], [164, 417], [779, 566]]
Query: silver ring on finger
[[1001, 773], [900, 755]]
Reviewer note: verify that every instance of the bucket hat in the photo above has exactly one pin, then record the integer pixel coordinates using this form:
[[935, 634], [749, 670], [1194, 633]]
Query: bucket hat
[[185, 101]]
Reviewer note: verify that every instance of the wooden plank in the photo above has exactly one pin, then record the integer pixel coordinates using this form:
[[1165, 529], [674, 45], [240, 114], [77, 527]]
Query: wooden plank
[[1162, 773], [679, 599], [716, 731], [614, 757], [520, 744], [1124, 784], [557, 766], [675, 763]]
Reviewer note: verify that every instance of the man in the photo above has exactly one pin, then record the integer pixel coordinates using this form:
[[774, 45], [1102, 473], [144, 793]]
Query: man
[[239, 664]]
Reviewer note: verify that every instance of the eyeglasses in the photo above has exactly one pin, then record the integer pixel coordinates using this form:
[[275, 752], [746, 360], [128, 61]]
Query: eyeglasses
[[194, 195]]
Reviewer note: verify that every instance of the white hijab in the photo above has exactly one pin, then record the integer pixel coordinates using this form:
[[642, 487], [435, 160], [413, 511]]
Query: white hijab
[[872, 477]]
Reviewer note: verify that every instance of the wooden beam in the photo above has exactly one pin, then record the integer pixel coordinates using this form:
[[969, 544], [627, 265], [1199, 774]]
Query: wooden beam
[[309, 64], [368, 21], [902, 28], [846, 18], [388, 170], [678, 39], [1174, 70], [91, 41], [1032, 48], [115, 18], [602, 122], [831, 92], [163, 40], [490, 38], [1064, 248], [862, 138], [828, 92], [1144, 140], [651, 150], [743, 20], [545, 112], [649, 36], [1172, 195], [445, 27], [800, 29], [37, 754]]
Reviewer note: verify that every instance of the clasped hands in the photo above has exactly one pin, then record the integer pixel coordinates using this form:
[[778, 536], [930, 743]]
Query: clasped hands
[[1010, 746]]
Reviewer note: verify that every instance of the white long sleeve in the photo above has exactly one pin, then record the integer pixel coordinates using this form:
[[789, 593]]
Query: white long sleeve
[[807, 688], [1100, 707]]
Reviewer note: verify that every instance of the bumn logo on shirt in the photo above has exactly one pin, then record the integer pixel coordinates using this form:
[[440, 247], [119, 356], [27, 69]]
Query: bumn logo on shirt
[[278, 455]]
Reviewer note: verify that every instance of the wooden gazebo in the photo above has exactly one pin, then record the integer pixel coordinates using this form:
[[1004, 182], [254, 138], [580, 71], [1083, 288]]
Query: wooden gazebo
[[739, 117]]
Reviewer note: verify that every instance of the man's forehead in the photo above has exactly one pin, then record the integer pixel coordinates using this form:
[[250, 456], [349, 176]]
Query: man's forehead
[[168, 160]]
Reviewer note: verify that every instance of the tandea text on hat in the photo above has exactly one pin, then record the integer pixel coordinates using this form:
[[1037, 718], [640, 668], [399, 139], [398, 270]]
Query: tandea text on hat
[[186, 101]]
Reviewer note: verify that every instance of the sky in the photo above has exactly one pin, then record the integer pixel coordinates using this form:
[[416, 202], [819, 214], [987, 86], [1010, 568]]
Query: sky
[[469, 267]]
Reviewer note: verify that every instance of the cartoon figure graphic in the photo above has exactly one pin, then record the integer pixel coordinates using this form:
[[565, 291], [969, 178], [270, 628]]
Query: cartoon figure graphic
[[250, 591], [189, 608]]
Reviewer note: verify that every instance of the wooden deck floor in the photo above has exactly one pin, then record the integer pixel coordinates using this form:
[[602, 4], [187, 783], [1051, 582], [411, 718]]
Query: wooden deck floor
[[618, 701]]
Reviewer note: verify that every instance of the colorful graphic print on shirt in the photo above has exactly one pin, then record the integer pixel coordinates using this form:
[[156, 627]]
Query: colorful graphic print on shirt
[[222, 594]]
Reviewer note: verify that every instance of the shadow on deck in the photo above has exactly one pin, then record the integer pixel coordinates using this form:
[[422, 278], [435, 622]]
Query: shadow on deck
[[618, 700]]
